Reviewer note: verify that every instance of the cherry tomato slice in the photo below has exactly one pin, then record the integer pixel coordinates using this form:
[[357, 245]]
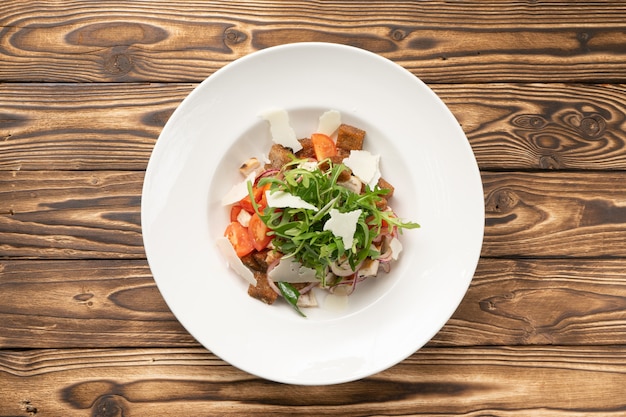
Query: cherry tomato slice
[[258, 193], [258, 232], [323, 146], [234, 212], [239, 237]]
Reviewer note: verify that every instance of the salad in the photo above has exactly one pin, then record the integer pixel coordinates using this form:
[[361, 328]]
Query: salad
[[314, 214]]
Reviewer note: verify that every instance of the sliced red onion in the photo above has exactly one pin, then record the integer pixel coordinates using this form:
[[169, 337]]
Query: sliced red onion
[[273, 286], [309, 287], [267, 173], [343, 269]]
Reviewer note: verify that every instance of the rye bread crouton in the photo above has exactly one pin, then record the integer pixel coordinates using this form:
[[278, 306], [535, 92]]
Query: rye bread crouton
[[262, 291], [307, 150], [382, 183], [350, 138], [279, 156]]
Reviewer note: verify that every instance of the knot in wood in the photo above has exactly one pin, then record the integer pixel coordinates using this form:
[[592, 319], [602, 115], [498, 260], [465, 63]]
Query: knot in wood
[[529, 121], [118, 64], [108, 406], [501, 200], [398, 34], [592, 127], [549, 162], [234, 36]]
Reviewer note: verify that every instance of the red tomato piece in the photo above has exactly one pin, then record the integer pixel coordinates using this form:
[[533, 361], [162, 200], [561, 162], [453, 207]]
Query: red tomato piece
[[239, 237], [234, 212], [258, 232], [262, 201], [258, 193], [323, 146]]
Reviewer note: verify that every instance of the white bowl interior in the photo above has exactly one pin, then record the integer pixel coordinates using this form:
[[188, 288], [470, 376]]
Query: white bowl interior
[[424, 154]]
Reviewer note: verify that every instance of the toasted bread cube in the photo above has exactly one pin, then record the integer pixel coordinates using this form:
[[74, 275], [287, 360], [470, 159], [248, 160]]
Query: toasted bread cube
[[350, 138], [262, 291], [279, 156], [250, 261], [307, 150], [382, 183]]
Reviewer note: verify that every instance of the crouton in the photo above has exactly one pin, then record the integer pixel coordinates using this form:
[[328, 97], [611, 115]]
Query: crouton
[[307, 150], [336, 160], [346, 173], [382, 183], [262, 291], [350, 138], [279, 156], [250, 261], [382, 204]]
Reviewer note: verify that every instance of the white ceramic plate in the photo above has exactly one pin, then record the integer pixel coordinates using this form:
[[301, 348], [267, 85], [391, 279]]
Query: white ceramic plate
[[424, 154]]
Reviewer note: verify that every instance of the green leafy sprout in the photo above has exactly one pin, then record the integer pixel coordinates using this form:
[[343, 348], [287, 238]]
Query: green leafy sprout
[[299, 233]]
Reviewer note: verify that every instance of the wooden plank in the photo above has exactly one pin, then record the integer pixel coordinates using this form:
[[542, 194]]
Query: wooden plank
[[115, 303], [541, 302], [174, 41], [542, 126], [555, 214], [509, 382], [70, 214], [91, 303], [83, 127], [77, 214], [114, 126]]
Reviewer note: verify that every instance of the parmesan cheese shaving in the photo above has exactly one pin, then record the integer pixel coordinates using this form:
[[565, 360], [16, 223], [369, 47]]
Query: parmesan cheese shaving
[[343, 225], [280, 129], [396, 248], [238, 191], [329, 122], [292, 271], [233, 260], [282, 199], [337, 301], [365, 166]]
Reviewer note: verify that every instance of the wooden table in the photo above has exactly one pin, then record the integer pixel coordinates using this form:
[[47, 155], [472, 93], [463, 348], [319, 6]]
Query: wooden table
[[87, 86]]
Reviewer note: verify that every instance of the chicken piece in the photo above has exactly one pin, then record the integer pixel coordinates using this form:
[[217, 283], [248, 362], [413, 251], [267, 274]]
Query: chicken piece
[[350, 138], [262, 291], [307, 299], [249, 166]]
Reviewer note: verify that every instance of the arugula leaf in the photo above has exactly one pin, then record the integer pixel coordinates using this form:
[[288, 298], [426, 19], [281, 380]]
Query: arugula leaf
[[300, 233], [291, 294]]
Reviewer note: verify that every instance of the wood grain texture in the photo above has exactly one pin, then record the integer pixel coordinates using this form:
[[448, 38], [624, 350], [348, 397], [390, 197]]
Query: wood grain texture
[[113, 303], [555, 214], [541, 302], [70, 214], [90, 303], [115, 126], [509, 382], [542, 126], [83, 127], [178, 41], [538, 87], [77, 214]]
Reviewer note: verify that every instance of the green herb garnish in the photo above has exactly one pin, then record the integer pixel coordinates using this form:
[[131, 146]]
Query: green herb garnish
[[291, 294], [300, 233]]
